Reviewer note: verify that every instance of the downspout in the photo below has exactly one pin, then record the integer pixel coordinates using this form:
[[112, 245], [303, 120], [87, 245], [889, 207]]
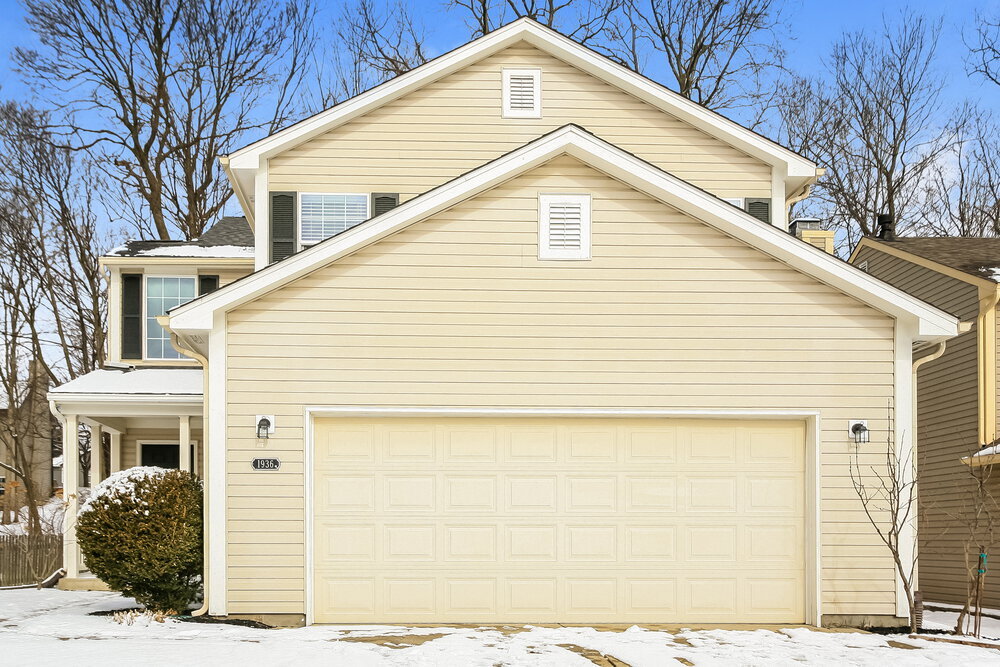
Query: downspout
[[917, 363], [986, 353], [203, 360]]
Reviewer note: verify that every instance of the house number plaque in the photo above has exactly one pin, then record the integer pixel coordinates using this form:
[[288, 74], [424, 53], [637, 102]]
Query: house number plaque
[[266, 464]]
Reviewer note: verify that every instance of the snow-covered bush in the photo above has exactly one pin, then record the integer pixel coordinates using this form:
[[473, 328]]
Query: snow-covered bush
[[141, 532]]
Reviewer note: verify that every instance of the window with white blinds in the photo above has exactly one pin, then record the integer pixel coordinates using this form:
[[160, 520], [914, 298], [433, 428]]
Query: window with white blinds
[[522, 93], [564, 226], [323, 215]]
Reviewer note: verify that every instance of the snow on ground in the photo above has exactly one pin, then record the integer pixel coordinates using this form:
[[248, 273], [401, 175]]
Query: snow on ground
[[54, 627], [50, 514], [946, 620]]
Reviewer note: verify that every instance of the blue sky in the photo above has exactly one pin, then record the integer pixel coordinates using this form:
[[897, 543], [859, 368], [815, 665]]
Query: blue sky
[[815, 25]]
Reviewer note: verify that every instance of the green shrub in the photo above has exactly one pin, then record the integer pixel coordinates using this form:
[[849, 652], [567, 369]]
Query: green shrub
[[141, 533]]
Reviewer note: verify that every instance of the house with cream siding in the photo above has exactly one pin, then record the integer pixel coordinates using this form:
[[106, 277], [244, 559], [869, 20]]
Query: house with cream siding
[[526, 337], [957, 398]]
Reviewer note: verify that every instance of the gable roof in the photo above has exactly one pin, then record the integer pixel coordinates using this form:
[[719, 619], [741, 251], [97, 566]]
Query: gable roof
[[229, 237], [796, 169], [977, 256], [930, 323]]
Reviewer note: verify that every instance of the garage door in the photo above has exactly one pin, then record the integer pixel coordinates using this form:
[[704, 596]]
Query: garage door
[[558, 520]]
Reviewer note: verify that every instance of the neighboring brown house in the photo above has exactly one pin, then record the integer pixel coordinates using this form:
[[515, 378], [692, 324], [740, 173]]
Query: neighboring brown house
[[33, 416], [956, 393]]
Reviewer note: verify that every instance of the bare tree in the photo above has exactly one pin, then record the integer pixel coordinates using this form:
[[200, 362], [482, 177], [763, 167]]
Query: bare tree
[[979, 517], [583, 20], [888, 495], [375, 42], [52, 302], [984, 49], [160, 88], [875, 122], [723, 54], [961, 195]]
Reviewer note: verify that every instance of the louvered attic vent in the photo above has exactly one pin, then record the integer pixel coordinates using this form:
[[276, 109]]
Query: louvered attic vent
[[522, 93], [564, 226]]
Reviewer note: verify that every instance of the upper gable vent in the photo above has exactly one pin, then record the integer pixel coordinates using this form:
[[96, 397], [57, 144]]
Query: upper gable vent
[[522, 95]]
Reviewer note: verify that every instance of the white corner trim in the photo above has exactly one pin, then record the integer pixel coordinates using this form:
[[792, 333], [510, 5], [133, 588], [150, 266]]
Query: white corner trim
[[605, 157], [307, 485], [564, 48], [813, 526], [216, 475], [903, 429]]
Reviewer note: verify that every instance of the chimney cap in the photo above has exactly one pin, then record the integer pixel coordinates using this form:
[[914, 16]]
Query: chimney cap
[[885, 227]]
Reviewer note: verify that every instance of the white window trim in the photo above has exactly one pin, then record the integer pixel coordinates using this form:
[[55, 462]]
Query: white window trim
[[738, 202], [145, 314], [299, 243], [545, 200], [534, 73]]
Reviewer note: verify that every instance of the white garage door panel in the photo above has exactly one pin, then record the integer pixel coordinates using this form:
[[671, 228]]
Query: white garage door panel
[[551, 520]]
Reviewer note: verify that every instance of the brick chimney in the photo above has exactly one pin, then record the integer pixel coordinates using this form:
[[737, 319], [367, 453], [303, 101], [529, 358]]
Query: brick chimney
[[811, 231]]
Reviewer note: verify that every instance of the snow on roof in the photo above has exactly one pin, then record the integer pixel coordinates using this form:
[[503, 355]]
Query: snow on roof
[[188, 250], [987, 451], [162, 381]]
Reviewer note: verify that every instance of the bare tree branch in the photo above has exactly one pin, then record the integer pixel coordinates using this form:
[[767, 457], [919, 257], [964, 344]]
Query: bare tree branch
[[158, 89]]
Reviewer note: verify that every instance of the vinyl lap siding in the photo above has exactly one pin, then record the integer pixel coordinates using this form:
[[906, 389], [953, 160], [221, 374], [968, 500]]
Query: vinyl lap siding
[[947, 428], [456, 311], [454, 125]]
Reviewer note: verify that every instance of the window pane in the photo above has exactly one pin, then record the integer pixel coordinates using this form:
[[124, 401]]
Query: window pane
[[322, 216], [162, 294]]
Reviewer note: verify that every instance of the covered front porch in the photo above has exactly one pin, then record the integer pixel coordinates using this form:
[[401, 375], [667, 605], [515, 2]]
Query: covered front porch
[[152, 417]]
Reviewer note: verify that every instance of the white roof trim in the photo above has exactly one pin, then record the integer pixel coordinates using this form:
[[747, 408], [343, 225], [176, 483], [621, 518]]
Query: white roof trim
[[792, 164], [198, 315]]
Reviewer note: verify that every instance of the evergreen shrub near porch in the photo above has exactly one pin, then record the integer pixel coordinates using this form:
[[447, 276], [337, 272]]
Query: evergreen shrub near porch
[[141, 533]]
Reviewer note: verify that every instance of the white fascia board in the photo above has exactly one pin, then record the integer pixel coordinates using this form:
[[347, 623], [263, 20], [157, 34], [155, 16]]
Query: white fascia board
[[792, 165], [570, 140]]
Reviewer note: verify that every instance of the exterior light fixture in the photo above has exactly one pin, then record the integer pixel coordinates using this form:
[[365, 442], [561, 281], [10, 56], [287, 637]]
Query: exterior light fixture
[[859, 431], [265, 427]]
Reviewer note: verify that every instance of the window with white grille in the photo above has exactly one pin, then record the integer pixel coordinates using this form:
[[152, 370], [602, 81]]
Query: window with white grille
[[324, 215], [522, 93], [564, 226]]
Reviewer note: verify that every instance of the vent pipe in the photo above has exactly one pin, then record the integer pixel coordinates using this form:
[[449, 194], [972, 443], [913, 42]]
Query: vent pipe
[[885, 227]]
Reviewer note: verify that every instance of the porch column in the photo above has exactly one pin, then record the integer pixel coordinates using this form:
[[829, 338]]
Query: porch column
[[116, 452], [96, 455], [71, 487], [185, 443]]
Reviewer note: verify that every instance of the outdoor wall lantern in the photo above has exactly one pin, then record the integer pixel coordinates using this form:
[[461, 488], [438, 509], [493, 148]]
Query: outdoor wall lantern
[[265, 427], [859, 430]]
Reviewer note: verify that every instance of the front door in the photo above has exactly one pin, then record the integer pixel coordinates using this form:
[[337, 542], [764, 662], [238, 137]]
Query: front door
[[161, 456]]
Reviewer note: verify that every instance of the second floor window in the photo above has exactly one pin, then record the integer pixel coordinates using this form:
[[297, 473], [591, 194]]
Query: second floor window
[[162, 294], [323, 215]]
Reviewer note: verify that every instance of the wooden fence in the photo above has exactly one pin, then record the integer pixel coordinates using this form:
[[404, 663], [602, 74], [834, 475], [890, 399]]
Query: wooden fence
[[28, 560]]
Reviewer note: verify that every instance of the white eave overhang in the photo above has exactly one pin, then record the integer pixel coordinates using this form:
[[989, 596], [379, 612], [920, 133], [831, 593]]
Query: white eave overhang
[[929, 323], [241, 166]]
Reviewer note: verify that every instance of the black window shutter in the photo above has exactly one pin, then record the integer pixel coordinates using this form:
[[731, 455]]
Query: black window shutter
[[131, 316], [207, 284], [383, 201], [760, 208], [282, 225]]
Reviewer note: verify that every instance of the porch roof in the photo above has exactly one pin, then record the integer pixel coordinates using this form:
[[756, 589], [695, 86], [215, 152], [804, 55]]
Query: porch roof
[[180, 382]]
